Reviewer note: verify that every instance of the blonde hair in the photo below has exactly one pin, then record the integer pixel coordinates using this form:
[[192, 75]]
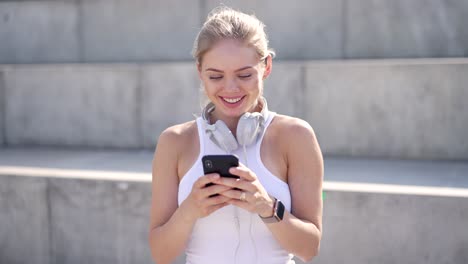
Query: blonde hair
[[226, 23]]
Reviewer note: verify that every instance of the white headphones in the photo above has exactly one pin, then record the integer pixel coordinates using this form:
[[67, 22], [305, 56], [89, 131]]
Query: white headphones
[[250, 126]]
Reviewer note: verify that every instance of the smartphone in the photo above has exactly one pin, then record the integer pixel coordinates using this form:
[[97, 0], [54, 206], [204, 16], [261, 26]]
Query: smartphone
[[220, 164]]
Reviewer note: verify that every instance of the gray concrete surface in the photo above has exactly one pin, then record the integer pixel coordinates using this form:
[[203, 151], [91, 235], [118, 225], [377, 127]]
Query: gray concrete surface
[[99, 222], [24, 220], [148, 30], [307, 29], [2, 109], [390, 109], [70, 220], [171, 95], [444, 174], [72, 105], [151, 31], [383, 228], [284, 88], [39, 31], [399, 29]]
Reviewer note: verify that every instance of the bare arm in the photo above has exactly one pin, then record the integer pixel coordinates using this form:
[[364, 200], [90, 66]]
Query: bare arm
[[170, 225], [300, 230]]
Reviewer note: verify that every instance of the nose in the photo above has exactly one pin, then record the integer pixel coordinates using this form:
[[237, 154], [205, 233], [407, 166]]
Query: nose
[[231, 84]]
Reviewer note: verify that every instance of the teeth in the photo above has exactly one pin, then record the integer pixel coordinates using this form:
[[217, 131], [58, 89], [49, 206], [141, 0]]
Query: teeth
[[232, 100]]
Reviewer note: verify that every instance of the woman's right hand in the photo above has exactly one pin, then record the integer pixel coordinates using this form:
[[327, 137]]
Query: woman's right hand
[[203, 200]]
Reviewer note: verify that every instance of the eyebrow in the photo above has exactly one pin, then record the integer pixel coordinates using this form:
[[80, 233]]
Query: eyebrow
[[241, 69]]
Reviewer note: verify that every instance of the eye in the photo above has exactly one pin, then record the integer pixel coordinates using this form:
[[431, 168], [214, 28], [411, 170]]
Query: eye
[[245, 76], [215, 77]]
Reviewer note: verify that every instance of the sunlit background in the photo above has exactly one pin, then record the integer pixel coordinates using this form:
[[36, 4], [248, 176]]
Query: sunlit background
[[87, 86]]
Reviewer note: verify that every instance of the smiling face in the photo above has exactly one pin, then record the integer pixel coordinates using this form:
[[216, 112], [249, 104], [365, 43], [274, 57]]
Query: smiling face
[[232, 76]]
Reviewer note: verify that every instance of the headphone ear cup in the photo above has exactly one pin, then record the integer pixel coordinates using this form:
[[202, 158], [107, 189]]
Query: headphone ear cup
[[224, 137], [248, 129]]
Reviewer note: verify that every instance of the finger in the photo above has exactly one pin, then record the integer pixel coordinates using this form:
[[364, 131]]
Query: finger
[[243, 172], [204, 180], [238, 195], [214, 189], [219, 199], [236, 183]]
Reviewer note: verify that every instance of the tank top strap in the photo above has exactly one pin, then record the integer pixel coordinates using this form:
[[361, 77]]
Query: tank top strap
[[270, 116], [201, 134]]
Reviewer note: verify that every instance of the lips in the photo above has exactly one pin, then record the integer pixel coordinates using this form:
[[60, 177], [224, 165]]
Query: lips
[[232, 100]]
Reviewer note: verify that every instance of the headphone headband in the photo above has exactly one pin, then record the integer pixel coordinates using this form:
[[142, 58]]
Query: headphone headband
[[249, 127], [210, 107]]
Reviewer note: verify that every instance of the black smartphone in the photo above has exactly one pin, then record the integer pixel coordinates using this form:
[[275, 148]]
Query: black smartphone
[[220, 164]]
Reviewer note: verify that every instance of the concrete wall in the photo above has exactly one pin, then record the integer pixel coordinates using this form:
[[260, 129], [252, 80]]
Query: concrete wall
[[385, 228], [73, 105], [389, 109], [392, 110], [141, 31], [90, 221], [171, 95], [39, 31], [24, 220], [73, 221]]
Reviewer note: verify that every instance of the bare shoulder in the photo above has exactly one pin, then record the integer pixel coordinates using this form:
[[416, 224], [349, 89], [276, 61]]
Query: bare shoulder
[[297, 139], [292, 128], [177, 135]]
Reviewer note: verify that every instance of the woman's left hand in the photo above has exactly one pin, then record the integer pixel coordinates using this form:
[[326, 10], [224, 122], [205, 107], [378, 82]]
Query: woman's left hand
[[247, 192]]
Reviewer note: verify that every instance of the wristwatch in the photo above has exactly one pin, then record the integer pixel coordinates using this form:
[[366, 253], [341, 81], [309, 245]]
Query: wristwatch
[[278, 213]]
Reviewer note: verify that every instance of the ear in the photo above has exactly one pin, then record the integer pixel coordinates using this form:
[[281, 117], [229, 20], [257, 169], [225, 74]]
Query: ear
[[199, 68], [268, 66]]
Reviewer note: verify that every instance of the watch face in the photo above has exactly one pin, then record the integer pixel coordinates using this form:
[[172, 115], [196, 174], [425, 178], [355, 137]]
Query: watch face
[[280, 211]]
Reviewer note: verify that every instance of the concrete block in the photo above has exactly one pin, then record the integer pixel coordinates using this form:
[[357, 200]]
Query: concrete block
[[389, 109], [70, 105], [38, 31], [2, 108], [146, 30], [99, 221], [171, 95], [24, 220], [284, 88], [390, 29], [387, 228], [303, 30]]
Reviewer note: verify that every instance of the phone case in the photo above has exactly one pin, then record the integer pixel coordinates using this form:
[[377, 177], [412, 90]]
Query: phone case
[[220, 164]]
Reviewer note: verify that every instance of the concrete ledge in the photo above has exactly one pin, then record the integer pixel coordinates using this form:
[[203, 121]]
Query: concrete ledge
[[2, 109], [401, 109], [94, 207]]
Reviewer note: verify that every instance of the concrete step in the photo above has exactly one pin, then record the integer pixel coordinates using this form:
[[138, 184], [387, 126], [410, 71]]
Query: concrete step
[[158, 30], [80, 206], [401, 109]]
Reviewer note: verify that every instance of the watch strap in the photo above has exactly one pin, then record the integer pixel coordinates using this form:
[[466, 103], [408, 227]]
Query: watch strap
[[278, 213]]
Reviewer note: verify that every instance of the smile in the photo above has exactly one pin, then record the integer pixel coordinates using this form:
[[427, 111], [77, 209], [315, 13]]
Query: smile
[[232, 100]]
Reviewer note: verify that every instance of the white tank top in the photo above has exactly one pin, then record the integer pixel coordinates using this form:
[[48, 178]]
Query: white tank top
[[233, 235]]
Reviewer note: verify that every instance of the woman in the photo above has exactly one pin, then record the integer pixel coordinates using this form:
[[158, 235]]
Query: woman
[[274, 210]]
